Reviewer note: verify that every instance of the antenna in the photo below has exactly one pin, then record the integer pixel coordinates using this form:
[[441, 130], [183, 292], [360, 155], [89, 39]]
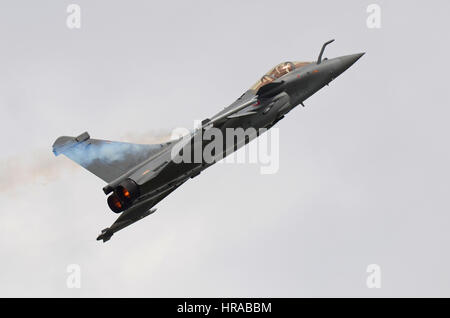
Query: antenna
[[319, 59]]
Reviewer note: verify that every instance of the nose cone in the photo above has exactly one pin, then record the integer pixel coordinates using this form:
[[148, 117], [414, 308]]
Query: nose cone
[[346, 61]]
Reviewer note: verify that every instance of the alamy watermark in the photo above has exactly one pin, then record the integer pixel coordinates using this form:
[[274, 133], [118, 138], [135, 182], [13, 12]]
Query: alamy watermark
[[373, 280], [374, 18], [73, 20], [74, 278], [211, 145]]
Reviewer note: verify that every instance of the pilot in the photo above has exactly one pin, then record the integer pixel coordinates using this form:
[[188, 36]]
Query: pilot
[[266, 79], [283, 69]]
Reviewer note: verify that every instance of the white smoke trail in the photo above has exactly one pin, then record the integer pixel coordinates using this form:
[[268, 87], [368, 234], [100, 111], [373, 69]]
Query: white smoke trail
[[41, 167], [34, 167]]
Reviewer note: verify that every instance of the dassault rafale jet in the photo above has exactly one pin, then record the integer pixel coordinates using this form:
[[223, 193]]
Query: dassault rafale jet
[[138, 176]]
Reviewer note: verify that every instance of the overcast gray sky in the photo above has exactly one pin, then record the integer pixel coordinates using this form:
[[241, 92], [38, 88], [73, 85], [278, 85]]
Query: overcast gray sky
[[364, 168]]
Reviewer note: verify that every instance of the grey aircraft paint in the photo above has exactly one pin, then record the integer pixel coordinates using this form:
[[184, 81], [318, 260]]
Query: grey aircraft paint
[[139, 176]]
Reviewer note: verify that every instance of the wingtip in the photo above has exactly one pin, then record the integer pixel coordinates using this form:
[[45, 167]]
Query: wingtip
[[63, 143], [105, 235]]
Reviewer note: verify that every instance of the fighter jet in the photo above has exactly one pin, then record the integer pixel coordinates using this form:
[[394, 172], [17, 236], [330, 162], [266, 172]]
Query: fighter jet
[[139, 176]]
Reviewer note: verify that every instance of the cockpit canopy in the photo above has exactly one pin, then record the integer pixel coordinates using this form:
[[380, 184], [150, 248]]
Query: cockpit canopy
[[276, 72]]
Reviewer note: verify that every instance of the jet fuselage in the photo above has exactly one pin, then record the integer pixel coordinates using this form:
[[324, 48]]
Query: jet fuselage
[[160, 173]]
